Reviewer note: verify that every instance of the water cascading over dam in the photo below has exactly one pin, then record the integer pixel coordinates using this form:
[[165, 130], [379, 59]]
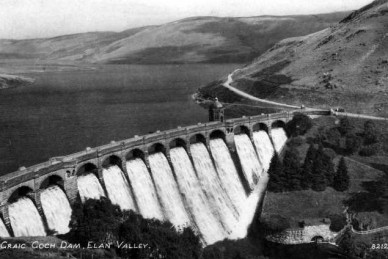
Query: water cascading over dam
[[219, 200], [199, 187], [250, 164], [143, 189], [194, 198], [117, 187], [279, 138], [227, 172], [3, 230], [25, 218], [89, 187], [56, 208], [167, 188], [264, 148]]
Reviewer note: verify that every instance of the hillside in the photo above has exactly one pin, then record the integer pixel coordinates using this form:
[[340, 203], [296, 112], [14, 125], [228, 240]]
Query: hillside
[[344, 65], [8, 81], [191, 40]]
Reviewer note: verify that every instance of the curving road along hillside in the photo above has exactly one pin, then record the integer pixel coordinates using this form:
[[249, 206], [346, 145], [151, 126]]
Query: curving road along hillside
[[228, 85]]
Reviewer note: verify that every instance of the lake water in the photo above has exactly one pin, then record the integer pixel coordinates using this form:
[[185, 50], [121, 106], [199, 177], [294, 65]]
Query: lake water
[[65, 112]]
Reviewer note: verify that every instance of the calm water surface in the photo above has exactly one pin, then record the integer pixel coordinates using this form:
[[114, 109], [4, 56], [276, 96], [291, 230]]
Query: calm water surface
[[64, 112]]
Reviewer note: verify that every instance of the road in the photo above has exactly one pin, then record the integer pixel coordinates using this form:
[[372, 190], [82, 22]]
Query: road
[[228, 85]]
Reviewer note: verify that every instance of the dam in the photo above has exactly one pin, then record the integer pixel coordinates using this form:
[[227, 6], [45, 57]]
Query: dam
[[205, 176]]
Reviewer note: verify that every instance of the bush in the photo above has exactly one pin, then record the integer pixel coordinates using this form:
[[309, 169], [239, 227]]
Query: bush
[[274, 223], [353, 143], [299, 125], [338, 222], [296, 141], [345, 126], [370, 150]]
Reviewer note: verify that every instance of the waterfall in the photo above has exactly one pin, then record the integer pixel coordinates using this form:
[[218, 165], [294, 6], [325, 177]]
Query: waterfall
[[227, 173], [89, 187], [143, 189], [56, 208], [279, 138], [3, 230], [248, 159], [167, 189], [194, 197], [264, 148], [219, 200], [117, 188], [25, 218]]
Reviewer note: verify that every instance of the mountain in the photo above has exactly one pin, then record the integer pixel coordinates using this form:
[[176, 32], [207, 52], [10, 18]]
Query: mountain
[[344, 65], [192, 40]]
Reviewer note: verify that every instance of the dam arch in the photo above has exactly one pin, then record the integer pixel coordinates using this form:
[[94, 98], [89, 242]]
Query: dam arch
[[112, 160], [218, 133], [22, 191], [278, 124], [241, 129], [157, 147], [198, 138], [53, 179], [135, 153], [87, 168], [260, 126], [178, 142]]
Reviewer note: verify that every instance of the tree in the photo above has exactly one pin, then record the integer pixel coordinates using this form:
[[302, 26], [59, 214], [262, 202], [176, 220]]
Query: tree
[[307, 170], [333, 137], [95, 220], [341, 180], [328, 167], [275, 173], [319, 181], [345, 127], [353, 143], [299, 125], [162, 238], [370, 133], [292, 170]]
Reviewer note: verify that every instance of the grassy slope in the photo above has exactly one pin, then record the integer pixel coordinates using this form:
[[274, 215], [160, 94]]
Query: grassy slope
[[353, 53], [199, 39]]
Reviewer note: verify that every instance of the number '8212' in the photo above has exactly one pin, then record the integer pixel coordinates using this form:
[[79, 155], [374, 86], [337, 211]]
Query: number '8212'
[[379, 246]]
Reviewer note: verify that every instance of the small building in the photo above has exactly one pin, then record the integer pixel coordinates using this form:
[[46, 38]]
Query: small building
[[216, 111]]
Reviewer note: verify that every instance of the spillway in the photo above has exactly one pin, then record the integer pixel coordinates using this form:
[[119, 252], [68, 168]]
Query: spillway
[[117, 187], [25, 219], [250, 164], [211, 184], [89, 187], [227, 173], [3, 230], [264, 148], [56, 208], [143, 189], [279, 138], [194, 197], [167, 188]]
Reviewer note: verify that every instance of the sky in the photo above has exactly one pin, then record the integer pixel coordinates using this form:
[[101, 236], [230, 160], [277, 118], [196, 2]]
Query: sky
[[21, 19]]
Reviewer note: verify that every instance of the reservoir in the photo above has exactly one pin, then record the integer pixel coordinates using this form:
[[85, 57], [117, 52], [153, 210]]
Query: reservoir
[[67, 111]]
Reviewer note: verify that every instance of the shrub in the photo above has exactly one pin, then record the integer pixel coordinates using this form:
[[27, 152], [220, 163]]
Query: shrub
[[353, 143], [338, 222], [370, 150], [345, 127], [299, 125], [296, 141]]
